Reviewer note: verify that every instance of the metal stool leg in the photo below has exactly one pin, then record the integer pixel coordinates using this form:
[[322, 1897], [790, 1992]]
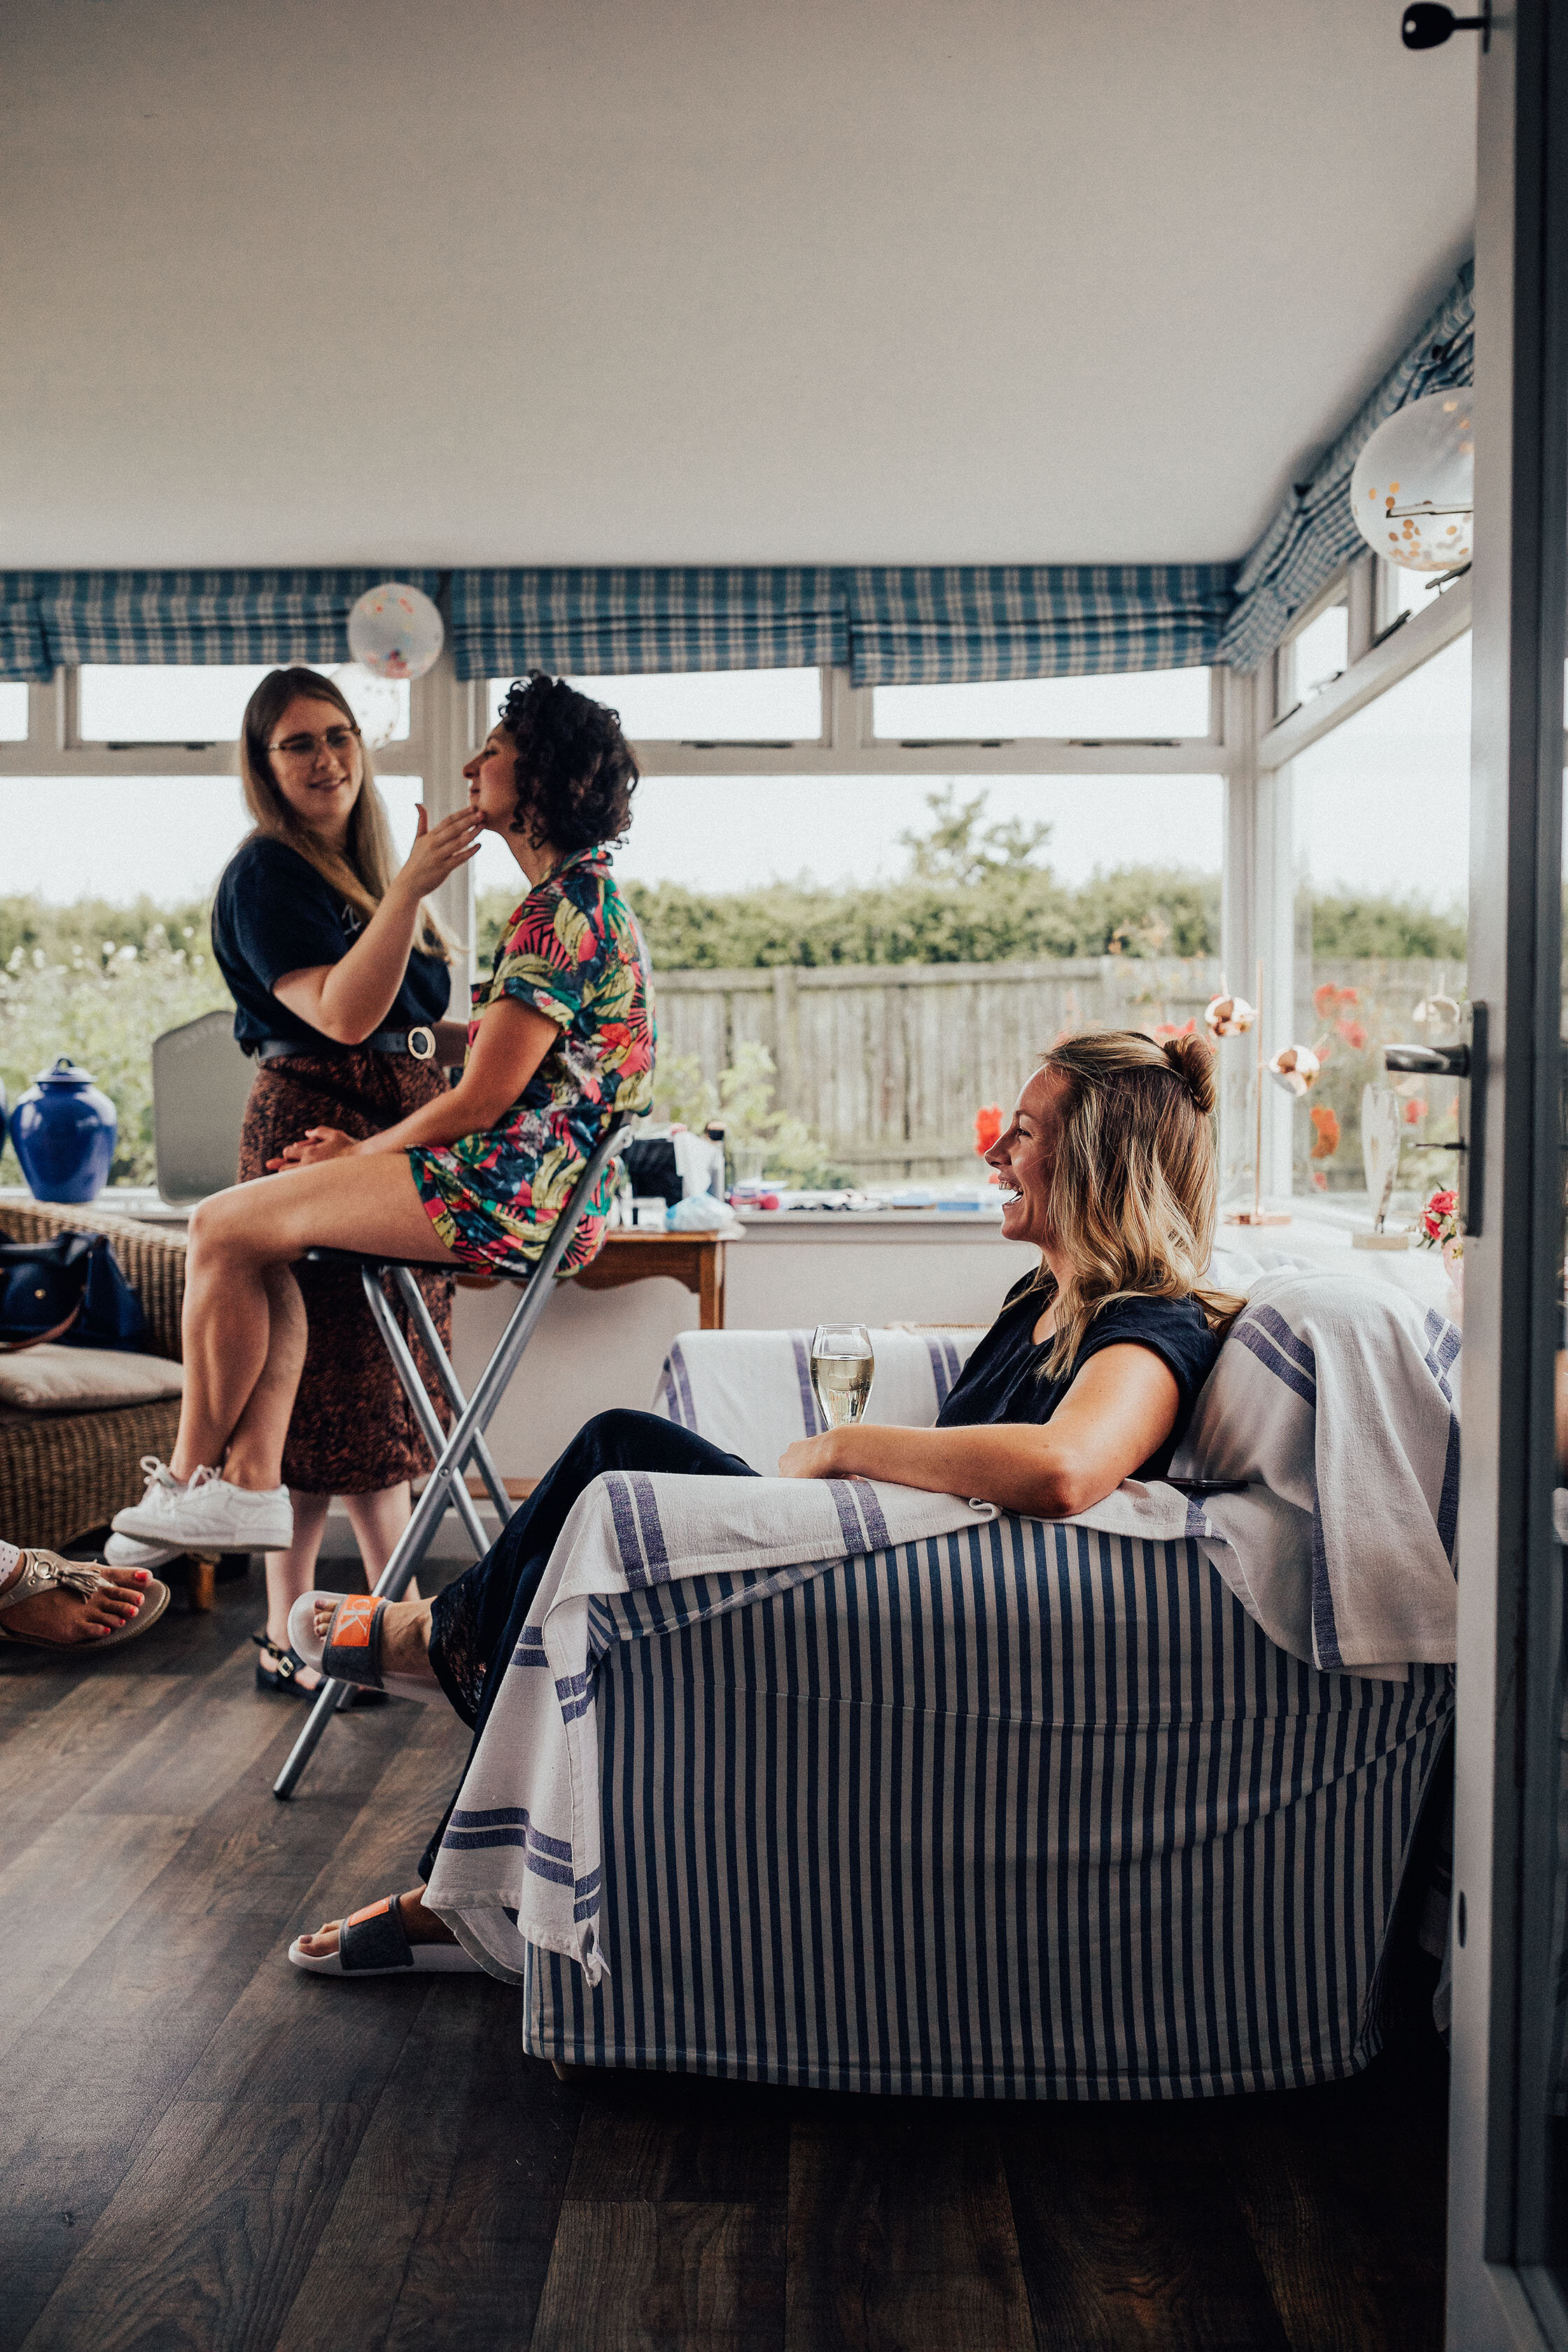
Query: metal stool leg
[[414, 1389], [420, 1317], [447, 1473]]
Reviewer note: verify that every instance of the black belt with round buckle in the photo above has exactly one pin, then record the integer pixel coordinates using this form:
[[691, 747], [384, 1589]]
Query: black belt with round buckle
[[420, 1043]]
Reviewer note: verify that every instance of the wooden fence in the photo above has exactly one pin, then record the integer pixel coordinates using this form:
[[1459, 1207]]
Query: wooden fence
[[888, 1063]]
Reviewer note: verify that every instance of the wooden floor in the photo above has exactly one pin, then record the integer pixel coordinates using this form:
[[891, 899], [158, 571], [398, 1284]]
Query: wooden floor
[[201, 2147]]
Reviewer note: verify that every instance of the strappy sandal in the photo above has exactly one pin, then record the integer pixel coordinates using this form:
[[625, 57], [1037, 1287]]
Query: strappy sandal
[[287, 1667], [46, 1571], [374, 1943], [352, 1651]]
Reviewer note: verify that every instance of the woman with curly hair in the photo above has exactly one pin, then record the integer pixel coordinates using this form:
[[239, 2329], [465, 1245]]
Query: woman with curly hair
[[560, 1048]]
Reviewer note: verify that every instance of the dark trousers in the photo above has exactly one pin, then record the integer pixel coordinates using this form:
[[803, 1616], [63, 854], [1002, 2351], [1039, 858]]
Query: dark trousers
[[477, 1623]]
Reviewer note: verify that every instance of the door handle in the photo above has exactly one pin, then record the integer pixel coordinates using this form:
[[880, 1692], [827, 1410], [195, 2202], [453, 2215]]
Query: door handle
[[1466, 1061]]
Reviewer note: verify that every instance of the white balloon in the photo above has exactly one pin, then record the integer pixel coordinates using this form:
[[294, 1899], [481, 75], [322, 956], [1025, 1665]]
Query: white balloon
[[375, 701], [1412, 490], [396, 631]]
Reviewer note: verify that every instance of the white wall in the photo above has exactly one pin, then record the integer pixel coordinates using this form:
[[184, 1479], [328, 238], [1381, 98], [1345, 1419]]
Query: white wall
[[597, 1349], [688, 280]]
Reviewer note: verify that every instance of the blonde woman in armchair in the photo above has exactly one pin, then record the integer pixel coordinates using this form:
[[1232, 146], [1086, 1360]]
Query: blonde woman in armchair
[[1087, 1376]]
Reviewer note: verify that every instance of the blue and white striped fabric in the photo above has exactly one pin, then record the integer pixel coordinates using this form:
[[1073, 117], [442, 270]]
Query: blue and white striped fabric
[[750, 1391], [48, 619], [1333, 1400], [1314, 533], [606, 623], [913, 627], [1024, 1811]]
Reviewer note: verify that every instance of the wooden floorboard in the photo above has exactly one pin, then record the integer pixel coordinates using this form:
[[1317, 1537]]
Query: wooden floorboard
[[203, 2148]]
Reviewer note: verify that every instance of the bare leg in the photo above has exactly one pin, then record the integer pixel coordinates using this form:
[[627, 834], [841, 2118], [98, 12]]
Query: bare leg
[[292, 1573], [378, 1520], [237, 1240], [255, 1456]]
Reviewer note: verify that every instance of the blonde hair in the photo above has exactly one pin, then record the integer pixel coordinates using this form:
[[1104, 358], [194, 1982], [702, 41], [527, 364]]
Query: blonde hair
[[364, 870], [1134, 1192]]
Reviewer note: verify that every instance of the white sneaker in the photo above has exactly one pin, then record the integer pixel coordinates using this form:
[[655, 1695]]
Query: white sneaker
[[209, 1515], [124, 1551]]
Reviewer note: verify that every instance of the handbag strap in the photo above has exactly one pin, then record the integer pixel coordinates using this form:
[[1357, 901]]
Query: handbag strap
[[41, 1339]]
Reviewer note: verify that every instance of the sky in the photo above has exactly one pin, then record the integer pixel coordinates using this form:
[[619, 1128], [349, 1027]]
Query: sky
[[1380, 804]]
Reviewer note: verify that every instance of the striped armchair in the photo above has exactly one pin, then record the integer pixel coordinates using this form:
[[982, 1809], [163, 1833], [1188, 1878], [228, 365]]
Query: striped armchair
[[63, 1474], [1024, 1811]]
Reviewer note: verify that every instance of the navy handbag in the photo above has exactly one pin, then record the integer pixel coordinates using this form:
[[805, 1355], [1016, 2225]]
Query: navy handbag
[[69, 1288]]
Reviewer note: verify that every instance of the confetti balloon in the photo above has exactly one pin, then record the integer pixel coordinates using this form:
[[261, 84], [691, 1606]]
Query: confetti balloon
[[1412, 490], [1227, 1016], [394, 631], [375, 701], [1294, 1067]]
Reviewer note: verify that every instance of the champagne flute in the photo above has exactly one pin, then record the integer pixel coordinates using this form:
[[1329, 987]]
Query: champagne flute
[[842, 1369]]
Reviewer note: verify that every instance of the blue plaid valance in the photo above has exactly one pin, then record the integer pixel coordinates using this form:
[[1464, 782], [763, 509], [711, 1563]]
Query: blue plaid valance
[[921, 627], [597, 623], [48, 618], [1314, 533], [892, 625]]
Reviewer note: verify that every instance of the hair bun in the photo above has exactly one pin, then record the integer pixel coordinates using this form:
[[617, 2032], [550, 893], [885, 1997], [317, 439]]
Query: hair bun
[[1192, 1059]]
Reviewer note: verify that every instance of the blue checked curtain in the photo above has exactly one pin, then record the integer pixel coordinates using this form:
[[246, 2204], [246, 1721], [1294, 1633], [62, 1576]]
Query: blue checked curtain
[[1314, 532], [594, 623], [48, 618], [919, 627]]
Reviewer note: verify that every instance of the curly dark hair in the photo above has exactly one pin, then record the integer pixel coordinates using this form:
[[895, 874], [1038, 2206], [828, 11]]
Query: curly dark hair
[[575, 772]]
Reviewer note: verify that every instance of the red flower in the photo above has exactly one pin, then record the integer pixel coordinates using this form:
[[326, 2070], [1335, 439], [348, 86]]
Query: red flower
[[1415, 1110], [1327, 1124], [1352, 1033], [987, 1127], [1163, 1029], [1325, 998]]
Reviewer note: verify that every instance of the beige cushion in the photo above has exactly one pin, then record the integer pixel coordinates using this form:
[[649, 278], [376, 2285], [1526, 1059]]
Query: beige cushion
[[81, 1380]]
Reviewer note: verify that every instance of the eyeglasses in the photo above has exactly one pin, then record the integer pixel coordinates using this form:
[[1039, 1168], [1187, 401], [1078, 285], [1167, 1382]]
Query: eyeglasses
[[305, 747]]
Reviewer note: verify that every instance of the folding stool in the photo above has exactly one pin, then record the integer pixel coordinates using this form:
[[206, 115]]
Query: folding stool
[[451, 1455]]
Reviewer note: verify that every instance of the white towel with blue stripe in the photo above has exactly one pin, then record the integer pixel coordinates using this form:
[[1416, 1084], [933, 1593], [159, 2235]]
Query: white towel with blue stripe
[[1336, 1399], [750, 1391], [520, 1863]]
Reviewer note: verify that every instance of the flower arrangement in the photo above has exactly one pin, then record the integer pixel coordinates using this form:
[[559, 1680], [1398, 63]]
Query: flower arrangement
[[1439, 1222]]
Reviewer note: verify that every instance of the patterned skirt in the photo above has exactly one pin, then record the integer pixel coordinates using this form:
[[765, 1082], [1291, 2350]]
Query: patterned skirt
[[351, 1432]]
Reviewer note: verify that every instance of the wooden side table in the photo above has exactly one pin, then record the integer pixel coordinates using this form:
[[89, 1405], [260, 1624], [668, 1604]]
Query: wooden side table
[[632, 1255]]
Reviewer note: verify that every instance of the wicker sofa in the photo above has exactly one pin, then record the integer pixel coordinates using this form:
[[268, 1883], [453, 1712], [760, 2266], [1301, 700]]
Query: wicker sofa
[[65, 1474]]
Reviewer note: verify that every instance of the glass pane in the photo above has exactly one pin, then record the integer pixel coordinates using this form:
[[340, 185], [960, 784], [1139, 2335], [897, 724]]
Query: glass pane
[[165, 703], [1321, 654], [1083, 906], [711, 706], [13, 712], [121, 838], [111, 877], [1407, 592], [1381, 814], [1162, 703]]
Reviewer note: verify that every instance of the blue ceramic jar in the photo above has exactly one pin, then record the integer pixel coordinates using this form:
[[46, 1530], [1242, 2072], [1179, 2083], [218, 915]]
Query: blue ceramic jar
[[62, 1131]]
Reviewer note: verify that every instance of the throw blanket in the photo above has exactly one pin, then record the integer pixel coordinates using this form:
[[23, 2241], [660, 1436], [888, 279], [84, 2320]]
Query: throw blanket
[[1335, 1399], [750, 1391], [520, 1863]]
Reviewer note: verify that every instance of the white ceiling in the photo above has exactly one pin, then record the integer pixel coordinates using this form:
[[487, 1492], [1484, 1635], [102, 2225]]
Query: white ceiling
[[701, 280]]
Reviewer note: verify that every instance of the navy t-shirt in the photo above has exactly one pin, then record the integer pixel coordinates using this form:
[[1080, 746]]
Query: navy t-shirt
[[275, 914], [1003, 1381]]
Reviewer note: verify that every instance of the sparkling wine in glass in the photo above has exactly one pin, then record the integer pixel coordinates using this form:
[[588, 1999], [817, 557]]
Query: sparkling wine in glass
[[842, 1366]]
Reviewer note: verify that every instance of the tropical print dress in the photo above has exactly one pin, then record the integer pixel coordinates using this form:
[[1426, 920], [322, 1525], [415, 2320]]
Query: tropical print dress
[[572, 950]]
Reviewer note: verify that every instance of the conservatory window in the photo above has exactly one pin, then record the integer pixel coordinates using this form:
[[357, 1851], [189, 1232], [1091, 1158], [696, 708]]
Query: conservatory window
[[720, 706]]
